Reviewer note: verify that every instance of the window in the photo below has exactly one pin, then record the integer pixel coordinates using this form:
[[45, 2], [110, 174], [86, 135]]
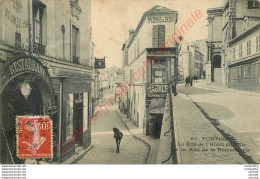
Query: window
[[257, 43], [158, 35], [159, 74], [240, 50], [69, 117], [17, 40], [234, 53], [75, 45], [253, 4], [248, 47], [37, 22], [246, 71]]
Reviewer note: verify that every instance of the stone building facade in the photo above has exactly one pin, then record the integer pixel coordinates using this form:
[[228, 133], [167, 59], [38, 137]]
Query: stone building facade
[[54, 36], [150, 65]]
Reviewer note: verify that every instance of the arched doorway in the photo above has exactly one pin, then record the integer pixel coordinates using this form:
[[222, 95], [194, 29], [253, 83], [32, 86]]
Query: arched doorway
[[217, 68], [26, 89]]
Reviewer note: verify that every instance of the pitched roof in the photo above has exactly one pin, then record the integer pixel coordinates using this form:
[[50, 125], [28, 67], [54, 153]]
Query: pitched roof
[[160, 9]]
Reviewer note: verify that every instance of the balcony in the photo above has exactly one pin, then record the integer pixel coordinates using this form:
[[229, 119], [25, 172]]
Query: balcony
[[75, 9], [75, 60], [39, 48]]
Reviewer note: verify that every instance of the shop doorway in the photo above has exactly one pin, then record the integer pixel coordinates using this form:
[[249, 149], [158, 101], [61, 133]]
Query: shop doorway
[[22, 96], [217, 68]]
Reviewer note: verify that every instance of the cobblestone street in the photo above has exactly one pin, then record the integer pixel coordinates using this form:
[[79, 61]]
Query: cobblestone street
[[227, 112], [132, 151]]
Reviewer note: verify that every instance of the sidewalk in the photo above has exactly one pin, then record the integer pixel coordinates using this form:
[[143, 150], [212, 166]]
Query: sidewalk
[[197, 140], [203, 84], [152, 144]]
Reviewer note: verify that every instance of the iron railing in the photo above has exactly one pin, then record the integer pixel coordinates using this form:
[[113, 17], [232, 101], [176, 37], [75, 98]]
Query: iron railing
[[39, 48], [173, 154]]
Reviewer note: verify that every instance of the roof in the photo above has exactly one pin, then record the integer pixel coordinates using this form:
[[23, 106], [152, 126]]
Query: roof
[[155, 10], [160, 9], [250, 30]]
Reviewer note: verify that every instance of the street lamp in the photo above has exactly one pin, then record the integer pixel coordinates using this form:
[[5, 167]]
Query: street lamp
[[25, 89]]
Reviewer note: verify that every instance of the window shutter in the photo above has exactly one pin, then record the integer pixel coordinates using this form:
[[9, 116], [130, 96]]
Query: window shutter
[[155, 36], [161, 35]]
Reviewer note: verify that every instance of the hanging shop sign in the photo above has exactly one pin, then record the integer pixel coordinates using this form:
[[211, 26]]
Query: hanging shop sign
[[157, 90], [100, 63]]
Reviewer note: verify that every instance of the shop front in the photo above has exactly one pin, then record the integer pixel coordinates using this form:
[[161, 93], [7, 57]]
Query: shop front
[[163, 71], [26, 90]]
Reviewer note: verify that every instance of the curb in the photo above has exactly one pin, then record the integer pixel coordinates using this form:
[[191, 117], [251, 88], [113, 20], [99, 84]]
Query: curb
[[134, 136], [81, 155], [229, 90]]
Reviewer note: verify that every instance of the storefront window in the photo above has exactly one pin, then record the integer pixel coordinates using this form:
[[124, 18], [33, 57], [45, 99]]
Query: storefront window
[[159, 72], [85, 111], [69, 117]]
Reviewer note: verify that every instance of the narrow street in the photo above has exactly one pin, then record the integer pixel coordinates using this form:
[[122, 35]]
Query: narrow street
[[132, 151], [236, 115]]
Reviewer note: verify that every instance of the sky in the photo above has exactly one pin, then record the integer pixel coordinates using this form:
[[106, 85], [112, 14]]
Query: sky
[[111, 20]]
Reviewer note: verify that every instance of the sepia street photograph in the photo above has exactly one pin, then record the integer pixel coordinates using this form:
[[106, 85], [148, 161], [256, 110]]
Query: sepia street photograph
[[167, 82]]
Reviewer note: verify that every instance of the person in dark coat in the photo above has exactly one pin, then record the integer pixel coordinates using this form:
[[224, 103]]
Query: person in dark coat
[[174, 88], [191, 79], [187, 81]]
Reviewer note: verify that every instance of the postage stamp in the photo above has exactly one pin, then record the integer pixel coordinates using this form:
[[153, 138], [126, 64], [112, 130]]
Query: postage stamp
[[34, 137]]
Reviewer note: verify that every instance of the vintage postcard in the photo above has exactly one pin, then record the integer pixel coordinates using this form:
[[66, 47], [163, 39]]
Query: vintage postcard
[[130, 82]]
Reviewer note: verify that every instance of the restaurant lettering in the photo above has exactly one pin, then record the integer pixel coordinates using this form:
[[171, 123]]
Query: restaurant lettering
[[160, 19], [26, 65]]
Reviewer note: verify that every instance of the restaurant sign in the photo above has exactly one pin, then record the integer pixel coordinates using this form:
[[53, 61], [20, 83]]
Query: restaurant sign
[[24, 65]]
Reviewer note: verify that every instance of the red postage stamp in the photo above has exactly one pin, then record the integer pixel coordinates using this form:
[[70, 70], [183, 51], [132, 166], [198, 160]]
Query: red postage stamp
[[34, 137]]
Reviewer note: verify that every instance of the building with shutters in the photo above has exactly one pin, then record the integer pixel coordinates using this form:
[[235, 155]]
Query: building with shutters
[[241, 52], [233, 45], [190, 62], [149, 66], [46, 69]]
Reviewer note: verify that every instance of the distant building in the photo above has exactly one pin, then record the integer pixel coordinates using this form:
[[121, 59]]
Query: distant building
[[190, 62], [241, 44], [233, 41], [214, 64]]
